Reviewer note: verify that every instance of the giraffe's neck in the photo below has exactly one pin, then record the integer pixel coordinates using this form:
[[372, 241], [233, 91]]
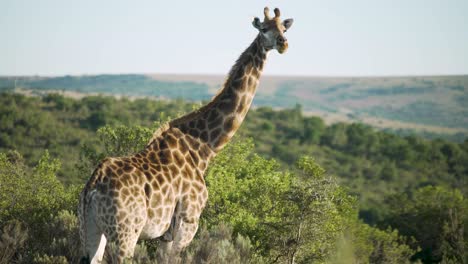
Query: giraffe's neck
[[216, 122]]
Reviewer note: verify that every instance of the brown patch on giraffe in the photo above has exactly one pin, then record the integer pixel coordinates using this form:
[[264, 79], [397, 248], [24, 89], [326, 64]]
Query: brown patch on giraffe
[[108, 171], [227, 93], [121, 216], [156, 199], [183, 127], [172, 141], [250, 82], [168, 200], [165, 188], [160, 179], [155, 185], [197, 187], [102, 188], [148, 176], [131, 199], [195, 157], [174, 169], [152, 157], [205, 152], [126, 179], [200, 200], [134, 191], [155, 144], [137, 178], [192, 142], [148, 191], [185, 186], [183, 146], [186, 172], [190, 160], [204, 136], [127, 168], [125, 192], [229, 124], [243, 102], [223, 140], [177, 183], [177, 133], [226, 106], [145, 166], [236, 82], [201, 124], [163, 145], [191, 124], [164, 156], [194, 133], [150, 213], [215, 133], [159, 211], [199, 176], [108, 202], [212, 115], [203, 165], [113, 183], [257, 61], [178, 158], [216, 123]]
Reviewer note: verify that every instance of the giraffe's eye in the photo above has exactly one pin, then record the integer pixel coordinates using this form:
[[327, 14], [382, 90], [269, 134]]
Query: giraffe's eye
[[264, 30]]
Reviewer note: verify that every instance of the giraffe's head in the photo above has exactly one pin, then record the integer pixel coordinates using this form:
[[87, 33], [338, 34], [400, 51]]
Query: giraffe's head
[[272, 30]]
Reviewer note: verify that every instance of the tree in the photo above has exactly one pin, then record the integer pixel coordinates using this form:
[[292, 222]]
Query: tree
[[441, 215], [32, 197]]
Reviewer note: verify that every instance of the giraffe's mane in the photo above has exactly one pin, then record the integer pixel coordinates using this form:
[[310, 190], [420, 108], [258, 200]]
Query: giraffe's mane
[[185, 118], [164, 127], [196, 113]]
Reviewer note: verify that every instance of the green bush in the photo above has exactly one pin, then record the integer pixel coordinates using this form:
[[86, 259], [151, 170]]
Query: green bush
[[34, 197]]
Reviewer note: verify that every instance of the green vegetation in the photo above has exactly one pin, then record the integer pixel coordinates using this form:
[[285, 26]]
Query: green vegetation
[[374, 198], [420, 103], [422, 112]]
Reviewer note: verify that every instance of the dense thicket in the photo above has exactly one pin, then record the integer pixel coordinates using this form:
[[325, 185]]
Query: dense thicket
[[399, 182]]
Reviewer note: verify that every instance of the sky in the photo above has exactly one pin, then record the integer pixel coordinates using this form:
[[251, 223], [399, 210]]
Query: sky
[[328, 38]]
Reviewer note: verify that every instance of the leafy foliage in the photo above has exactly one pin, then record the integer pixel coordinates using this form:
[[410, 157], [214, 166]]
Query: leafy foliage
[[287, 208], [442, 217]]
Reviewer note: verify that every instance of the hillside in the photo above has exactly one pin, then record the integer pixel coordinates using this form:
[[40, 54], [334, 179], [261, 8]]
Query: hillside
[[432, 106]]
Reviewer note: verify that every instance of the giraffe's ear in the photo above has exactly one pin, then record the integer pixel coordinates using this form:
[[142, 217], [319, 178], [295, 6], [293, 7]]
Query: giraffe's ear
[[287, 23], [256, 23]]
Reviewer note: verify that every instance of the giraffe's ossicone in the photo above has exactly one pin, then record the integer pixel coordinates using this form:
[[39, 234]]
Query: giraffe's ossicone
[[160, 192]]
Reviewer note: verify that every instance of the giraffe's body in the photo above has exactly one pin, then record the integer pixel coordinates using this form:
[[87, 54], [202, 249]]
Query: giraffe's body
[[161, 191]]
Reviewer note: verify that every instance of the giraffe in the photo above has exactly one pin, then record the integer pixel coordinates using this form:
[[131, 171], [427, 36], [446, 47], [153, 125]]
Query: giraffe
[[160, 192]]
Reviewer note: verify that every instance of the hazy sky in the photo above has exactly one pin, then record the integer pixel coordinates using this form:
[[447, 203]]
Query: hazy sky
[[335, 38]]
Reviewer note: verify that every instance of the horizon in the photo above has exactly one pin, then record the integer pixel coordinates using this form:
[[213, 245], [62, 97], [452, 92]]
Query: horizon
[[333, 39], [223, 75]]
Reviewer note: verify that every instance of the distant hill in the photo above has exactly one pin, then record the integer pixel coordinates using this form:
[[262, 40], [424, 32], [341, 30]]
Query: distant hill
[[429, 104]]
